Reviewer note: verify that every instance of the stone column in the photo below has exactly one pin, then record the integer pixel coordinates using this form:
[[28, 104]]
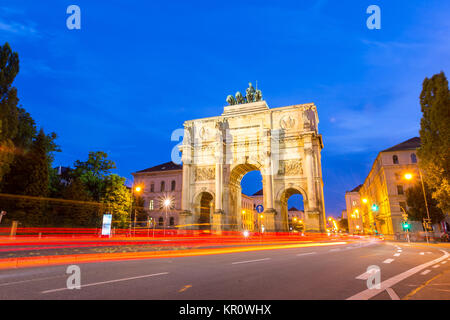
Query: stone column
[[219, 187], [309, 164]]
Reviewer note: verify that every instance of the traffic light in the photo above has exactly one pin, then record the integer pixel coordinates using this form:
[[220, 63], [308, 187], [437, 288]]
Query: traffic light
[[374, 207], [406, 226]]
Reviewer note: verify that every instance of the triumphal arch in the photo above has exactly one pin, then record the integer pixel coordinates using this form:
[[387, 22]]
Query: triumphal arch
[[282, 143]]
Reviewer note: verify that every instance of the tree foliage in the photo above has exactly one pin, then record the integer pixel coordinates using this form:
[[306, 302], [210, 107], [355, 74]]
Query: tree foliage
[[416, 204], [9, 67], [434, 153], [93, 173]]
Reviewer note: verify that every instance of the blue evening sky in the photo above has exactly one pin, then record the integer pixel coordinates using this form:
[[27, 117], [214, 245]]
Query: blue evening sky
[[137, 69]]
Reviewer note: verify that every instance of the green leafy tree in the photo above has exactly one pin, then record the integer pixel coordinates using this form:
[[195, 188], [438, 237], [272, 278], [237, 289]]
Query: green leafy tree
[[416, 204], [117, 200], [9, 67], [93, 173], [434, 153]]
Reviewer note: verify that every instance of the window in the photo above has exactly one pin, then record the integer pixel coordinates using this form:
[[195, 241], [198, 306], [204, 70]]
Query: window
[[161, 221], [151, 205], [395, 159], [152, 187], [172, 187], [163, 186], [172, 221], [354, 203], [399, 189], [413, 158]]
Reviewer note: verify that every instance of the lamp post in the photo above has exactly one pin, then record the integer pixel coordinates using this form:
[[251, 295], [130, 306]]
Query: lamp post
[[408, 176], [138, 190], [166, 203]]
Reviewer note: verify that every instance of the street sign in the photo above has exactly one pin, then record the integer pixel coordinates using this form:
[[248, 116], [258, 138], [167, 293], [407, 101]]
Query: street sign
[[106, 227], [259, 208]]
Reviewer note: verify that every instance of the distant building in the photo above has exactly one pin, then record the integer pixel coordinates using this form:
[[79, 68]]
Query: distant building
[[354, 212], [158, 183], [377, 205]]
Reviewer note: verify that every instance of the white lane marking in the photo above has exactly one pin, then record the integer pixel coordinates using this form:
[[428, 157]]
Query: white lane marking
[[106, 282], [392, 294], [331, 250], [436, 266], [396, 254], [248, 261], [443, 262], [425, 272], [388, 260], [399, 250], [305, 254], [422, 253], [369, 293], [349, 247], [364, 276], [30, 280]]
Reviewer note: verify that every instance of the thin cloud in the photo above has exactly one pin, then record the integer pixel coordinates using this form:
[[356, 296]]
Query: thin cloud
[[18, 29]]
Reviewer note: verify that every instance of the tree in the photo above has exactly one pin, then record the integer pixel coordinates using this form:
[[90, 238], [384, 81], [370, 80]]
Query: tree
[[93, 172], [416, 204], [343, 224], [117, 199], [9, 67], [434, 153]]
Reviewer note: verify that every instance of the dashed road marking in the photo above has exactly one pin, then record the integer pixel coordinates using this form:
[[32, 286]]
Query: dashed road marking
[[306, 254], [185, 288], [110, 281], [370, 293], [392, 294], [436, 266], [248, 261], [388, 260], [425, 272], [422, 253], [396, 254], [443, 262], [331, 250]]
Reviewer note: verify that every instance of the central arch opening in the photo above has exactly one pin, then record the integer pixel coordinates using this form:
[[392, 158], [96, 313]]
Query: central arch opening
[[246, 195]]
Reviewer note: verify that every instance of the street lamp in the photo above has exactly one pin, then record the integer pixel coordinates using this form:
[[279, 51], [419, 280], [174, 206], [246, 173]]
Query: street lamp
[[167, 202], [408, 176], [137, 190]]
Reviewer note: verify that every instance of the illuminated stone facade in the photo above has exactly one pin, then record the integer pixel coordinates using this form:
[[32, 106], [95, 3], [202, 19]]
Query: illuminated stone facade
[[282, 143]]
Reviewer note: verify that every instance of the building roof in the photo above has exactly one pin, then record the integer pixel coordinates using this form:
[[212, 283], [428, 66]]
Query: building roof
[[410, 144], [259, 193], [163, 167], [356, 189], [294, 209]]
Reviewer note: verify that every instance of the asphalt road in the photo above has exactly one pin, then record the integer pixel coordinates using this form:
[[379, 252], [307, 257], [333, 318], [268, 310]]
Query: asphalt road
[[328, 272]]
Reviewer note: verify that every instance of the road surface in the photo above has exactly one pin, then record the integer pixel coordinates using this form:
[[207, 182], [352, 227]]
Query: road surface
[[328, 272]]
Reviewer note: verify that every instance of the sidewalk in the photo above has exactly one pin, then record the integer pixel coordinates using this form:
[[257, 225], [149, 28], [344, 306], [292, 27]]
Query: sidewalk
[[440, 245]]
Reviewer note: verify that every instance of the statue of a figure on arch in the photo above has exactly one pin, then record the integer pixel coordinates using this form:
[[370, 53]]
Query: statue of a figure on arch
[[231, 100], [250, 93], [240, 98]]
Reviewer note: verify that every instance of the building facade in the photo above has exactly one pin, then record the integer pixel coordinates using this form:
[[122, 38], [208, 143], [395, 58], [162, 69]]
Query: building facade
[[353, 213], [378, 205]]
